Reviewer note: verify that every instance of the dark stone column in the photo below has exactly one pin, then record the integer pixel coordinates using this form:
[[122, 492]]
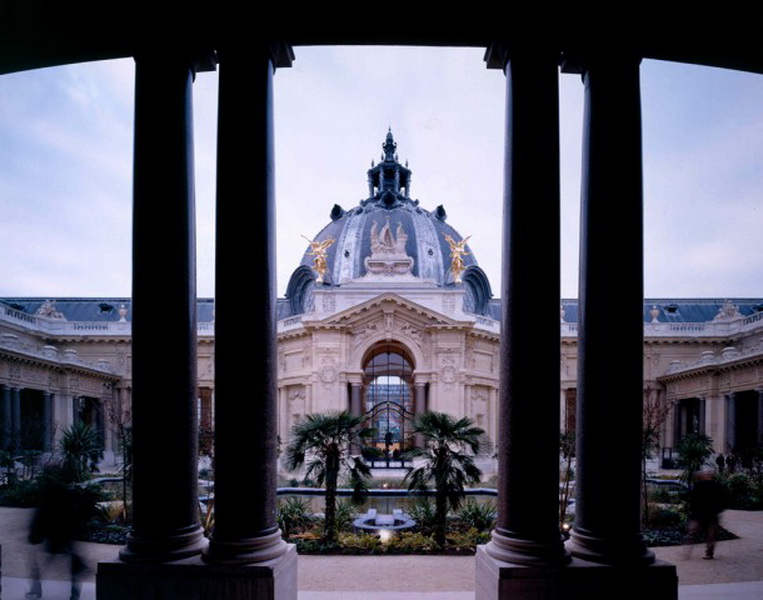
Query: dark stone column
[[421, 398], [420, 407], [245, 529], [527, 530], [731, 422], [356, 408], [165, 500], [47, 421], [16, 419], [677, 423], [7, 418], [759, 438], [702, 416], [610, 384]]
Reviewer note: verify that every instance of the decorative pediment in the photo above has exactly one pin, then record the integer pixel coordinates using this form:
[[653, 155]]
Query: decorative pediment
[[375, 310]]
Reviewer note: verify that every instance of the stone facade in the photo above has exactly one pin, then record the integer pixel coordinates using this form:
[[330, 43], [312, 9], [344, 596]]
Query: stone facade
[[388, 315], [709, 373]]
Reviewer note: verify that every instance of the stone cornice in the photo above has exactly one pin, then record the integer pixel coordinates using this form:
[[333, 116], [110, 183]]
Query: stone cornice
[[714, 368], [62, 366]]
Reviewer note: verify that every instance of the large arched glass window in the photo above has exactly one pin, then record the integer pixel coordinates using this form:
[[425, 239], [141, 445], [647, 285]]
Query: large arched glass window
[[388, 397]]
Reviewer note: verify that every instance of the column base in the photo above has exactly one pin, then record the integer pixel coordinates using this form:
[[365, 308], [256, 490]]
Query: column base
[[246, 551], [192, 579], [578, 580], [183, 544], [505, 548]]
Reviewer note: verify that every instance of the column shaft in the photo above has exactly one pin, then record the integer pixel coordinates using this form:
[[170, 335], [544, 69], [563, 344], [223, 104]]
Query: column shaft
[[245, 426], [16, 419], [702, 416], [610, 384], [165, 430], [47, 421], [527, 530], [7, 418], [421, 407], [356, 408], [731, 422]]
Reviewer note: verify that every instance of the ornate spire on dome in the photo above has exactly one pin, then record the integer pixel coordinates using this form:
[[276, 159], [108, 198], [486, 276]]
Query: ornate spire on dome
[[389, 147], [389, 182]]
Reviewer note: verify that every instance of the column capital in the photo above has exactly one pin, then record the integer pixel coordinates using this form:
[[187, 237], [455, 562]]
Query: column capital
[[354, 379], [280, 53]]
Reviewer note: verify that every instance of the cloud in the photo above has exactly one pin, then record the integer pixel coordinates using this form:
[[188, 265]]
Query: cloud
[[66, 165]]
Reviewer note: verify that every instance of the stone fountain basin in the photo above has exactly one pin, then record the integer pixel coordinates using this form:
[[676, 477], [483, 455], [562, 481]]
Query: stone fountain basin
[[374, 522]]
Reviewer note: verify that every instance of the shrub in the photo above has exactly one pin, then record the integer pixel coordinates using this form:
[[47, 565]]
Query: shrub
[[22, 494], [744, 492], [361, 542], [466, 541], [478, 515], [422, 511], [413, 542], [665, 517], [293, 515], [345, 515]]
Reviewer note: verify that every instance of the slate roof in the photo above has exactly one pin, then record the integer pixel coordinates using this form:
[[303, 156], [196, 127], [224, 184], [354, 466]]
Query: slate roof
[[91, 310], [671, 310]]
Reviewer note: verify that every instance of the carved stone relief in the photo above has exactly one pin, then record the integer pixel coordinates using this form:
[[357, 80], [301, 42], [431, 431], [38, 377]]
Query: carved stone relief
[[14, 371], [410, 331], [363, 332], [478, 410], [449, 374], [329, 303], [328, 369], [327, 374]]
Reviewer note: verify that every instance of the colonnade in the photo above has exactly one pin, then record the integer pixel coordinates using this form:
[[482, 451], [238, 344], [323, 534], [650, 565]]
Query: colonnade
[[166, 550], [527, 556], [245, 553], [12, 432]]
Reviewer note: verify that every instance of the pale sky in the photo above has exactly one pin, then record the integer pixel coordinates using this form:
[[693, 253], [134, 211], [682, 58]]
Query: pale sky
[[66, 160]]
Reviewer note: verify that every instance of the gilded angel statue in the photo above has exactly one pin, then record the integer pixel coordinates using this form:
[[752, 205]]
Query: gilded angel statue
[[319, 250], [457, 252]]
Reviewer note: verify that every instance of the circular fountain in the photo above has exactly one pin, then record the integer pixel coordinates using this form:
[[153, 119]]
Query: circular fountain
[[374, 522]]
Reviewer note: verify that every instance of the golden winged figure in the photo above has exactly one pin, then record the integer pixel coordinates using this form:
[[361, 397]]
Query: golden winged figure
[[319, 250], [457, 252]]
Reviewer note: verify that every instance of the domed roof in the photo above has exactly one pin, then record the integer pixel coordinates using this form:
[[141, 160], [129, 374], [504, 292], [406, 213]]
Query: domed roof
[[387, 235]]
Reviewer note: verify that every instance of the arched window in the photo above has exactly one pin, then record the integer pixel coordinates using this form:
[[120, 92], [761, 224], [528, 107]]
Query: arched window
[[388, 398]]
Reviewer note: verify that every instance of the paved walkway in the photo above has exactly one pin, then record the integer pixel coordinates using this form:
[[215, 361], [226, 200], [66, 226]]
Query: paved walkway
[[735, 574]]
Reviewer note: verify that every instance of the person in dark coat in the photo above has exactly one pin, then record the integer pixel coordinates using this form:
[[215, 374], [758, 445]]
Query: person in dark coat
[[62, 512], [706, 503]]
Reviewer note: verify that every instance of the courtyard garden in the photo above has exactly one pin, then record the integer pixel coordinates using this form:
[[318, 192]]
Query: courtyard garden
[[447, 505]]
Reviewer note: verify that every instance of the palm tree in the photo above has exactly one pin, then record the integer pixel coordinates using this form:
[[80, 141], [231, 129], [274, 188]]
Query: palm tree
[[81, 449], [694, 449], [447, 456], [324, 442]]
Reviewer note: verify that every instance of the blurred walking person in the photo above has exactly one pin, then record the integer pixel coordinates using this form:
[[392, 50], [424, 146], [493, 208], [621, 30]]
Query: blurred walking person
[[63, 510], [706, 503]]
